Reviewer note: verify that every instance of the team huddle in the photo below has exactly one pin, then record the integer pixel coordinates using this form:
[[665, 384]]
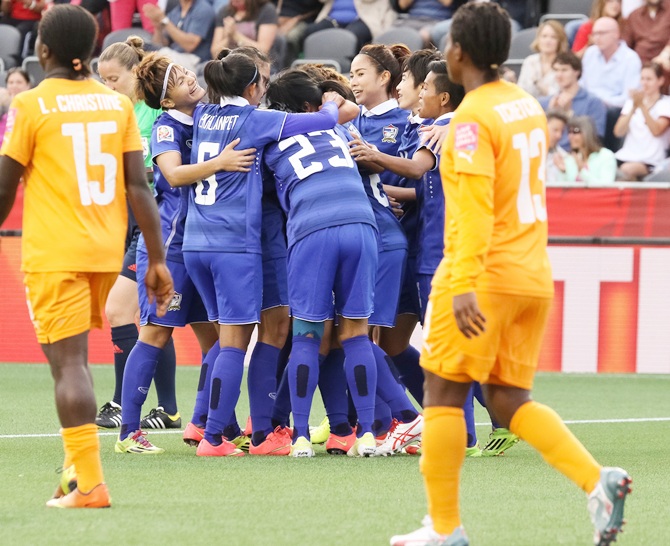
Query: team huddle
[[334, 217]]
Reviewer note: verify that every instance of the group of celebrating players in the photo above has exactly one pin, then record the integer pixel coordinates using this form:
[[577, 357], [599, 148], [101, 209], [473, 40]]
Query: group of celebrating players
[[294, 208]]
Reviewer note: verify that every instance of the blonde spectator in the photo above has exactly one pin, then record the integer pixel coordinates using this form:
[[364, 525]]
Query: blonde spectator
[[600, 8], [588, 162], [537, 73], [644, 122]]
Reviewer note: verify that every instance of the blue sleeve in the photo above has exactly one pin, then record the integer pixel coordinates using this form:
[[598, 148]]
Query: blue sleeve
[[297, 124], [202, 21], [164, 138]]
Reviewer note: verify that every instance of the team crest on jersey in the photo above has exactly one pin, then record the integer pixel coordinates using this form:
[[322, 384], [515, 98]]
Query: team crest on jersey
[[389, 134], [175, 304], [164, 133]]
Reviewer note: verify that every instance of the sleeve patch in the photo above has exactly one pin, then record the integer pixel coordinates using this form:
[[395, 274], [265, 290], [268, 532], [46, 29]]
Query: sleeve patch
[[466, 137], [164, 133]]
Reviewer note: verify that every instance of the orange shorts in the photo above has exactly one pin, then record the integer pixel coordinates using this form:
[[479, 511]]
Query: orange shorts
[[505, 354], [65, 304]]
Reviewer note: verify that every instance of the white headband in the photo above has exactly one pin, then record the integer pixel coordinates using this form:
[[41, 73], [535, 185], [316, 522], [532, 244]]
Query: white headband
[[165, 81]]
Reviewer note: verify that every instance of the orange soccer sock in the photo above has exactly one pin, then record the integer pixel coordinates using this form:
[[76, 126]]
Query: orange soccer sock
[[542, 428], [67, 460], [82, 448], [443, 445]]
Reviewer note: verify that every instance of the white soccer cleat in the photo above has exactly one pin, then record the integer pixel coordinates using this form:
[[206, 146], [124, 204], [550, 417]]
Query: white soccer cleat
[[401, 435]]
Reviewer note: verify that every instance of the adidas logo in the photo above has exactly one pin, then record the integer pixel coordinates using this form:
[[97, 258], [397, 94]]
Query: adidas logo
[[133, 268]]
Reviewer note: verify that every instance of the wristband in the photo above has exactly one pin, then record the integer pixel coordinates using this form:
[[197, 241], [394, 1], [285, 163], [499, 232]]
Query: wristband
[[165, 20]]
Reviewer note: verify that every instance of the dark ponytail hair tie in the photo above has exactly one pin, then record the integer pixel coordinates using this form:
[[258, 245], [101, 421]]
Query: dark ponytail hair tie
[[76, 64]]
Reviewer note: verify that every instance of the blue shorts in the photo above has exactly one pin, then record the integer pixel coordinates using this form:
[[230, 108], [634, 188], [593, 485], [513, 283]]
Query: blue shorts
[[423, 283], [129, 269], [390, 270], [275, 283], [186, 306], [230, 283], [409, 294], [340, 260]]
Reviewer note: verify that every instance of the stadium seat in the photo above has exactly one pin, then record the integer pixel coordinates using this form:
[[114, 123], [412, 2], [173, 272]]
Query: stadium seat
[[3, 78], [401, 35], [122, 34], [32, 66], [563, 18], [327, 62], [337, 44], [514, 64], [520, 46], [582, 7], [10, 45], [94, 68]]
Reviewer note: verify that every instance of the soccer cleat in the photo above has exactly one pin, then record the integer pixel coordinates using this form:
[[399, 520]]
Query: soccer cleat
[[365, 446], [68, 481], [242, 443], [302, 448], [138, 444], [109, 416], [401, 435], [474, 451], [277, 442], [319, 435], [248, 429], [98, 497], [427, 536], [413, 449], [500, 440], [158, 418], [340, 445], [193, 434], [606, 503], [225, 449]]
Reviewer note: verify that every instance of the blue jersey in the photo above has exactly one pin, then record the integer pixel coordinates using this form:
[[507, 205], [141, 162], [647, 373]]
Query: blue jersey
[[172, 132], [273, 229], [409, 143], [317, 182], [390, 235], [430, 200], [383, 126], [225, 211]]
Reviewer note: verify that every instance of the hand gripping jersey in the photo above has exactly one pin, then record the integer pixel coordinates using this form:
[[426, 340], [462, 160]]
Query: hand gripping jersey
[[499, 132], [71, 137], [317, 182]]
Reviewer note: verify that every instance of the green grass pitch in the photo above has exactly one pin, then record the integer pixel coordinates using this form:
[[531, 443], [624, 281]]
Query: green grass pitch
[[176, 498]]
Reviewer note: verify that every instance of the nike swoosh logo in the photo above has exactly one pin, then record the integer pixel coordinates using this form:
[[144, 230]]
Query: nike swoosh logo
[[341, 442], [143, 390]]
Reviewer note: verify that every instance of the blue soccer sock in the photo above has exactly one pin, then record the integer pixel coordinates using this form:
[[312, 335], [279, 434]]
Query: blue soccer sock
[[383, 417], [333, 387], [165, 379], [139, 371], [282, 361], [262, 384], [479, 395], [204, 387], [282, 406], [123, 341], [225, 392], [232, 430], [410, 372], [303, 375], [390, 389], [469, 412], [361, 372]]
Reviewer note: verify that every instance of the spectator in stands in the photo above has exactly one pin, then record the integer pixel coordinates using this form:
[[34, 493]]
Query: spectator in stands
[[245, 23], [537, 75], [600, 8], [571, 98], [644, 121], [185, 32], [588, 161], [423, 15], [365, 18], [18, 80], [610, 68], [647, 31], [294, 18], [122, 11], [24, 15], [557, 122]]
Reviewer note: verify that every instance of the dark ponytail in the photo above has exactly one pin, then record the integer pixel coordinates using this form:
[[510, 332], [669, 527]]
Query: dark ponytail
[[230, 76]]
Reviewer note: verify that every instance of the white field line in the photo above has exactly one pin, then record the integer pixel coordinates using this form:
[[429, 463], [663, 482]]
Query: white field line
[[567, 422]]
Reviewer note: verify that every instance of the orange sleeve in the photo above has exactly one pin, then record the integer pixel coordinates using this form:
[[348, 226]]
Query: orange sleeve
[[19, 139]]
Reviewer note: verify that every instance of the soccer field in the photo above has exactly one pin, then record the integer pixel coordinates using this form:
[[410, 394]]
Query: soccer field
[[176, 498]]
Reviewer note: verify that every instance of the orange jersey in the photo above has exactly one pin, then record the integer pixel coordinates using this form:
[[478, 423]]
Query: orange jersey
[[493, 170], [71, 137]]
